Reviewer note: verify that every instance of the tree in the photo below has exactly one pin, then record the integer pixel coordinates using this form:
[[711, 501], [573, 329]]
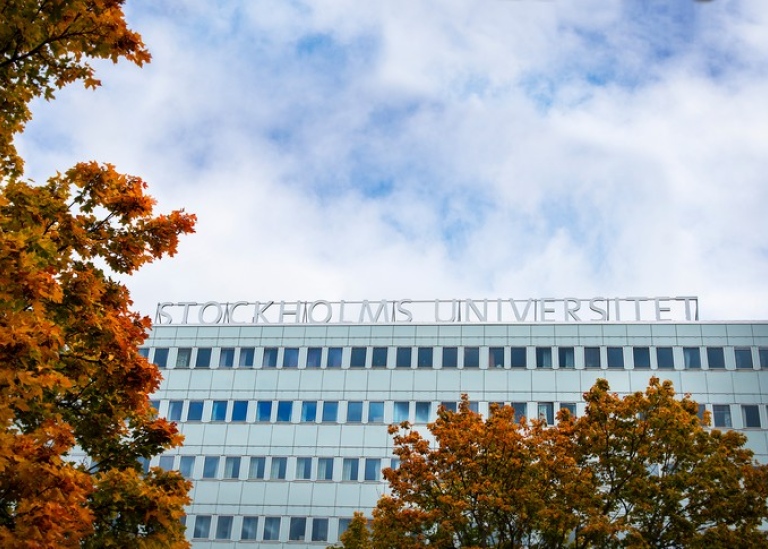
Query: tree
[[640, 471], [72, 380], [356, 535]]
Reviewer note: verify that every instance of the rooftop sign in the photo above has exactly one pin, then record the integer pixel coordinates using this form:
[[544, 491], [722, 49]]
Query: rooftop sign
[[440, 311]]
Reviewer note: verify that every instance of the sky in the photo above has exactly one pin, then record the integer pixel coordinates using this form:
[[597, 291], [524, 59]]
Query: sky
[[388, 149]]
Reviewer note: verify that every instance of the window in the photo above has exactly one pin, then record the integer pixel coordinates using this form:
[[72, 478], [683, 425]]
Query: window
[[474, 406], [187, 466], [403, 357], [227, 357], [314, 357], [691, 358], [166, 462], [284, 410], [372, 469], [325, 469], [471, 357], [195, 410], [257, 467], [271, 528], [219, 410], [424, 357], [203, 359], [570, 406], [349, 469], [239, 410], [224, 527], [402, 412], [641, 356], [277, 470], [330, 411], [161, 357], [174, 410], [183, 358], [358, 357], [762, 354], [715, 358], [565, 357], [664, 358], [232, 467], [543, 357], [450, 357], [298, 529], [334, 357], [304, 468], [250, 527], [344, 525], [319, 529], [143, 351], [592, 357], [547, 412], [202, 527], [721, 415], [355, 411], [264, 410], [615, 357], [379, 358], [375, 412], [290, 357], [270, 358], [743, 358], [517, 357], [449, 406], [750, 414], [308, 411], [423, 412], [210, 466], [246, 357], [496, 357]]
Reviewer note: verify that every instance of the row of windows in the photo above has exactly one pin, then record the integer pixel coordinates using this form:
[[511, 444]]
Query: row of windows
[[329, 411], [255, 528], [463, 357], [277, 468]]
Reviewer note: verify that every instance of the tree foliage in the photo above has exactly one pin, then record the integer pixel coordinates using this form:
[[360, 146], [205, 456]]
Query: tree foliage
[[640, 471], [72, 381]]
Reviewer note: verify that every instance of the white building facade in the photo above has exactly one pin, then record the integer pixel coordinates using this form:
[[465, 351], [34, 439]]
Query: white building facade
[[285, 417]]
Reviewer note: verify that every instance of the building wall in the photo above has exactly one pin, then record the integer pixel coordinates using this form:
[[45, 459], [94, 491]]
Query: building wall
[[236, 370]]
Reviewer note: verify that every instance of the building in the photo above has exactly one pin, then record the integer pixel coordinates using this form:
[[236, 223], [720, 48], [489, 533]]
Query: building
[[285, 406]]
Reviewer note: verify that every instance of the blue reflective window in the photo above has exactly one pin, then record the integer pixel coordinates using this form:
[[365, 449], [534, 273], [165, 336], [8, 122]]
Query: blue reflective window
[[195, 410], [314, 357], [284, 410], [471, 357], [423, 411], [424, 357], [290, 357], [375, 412], [715, 358], [202, 527], [743, 358], [239, 410], [692, 358], [278, 468], [227, 357], [330, 411], [250, 527], [161, 357], [271, 528], [357, 357], [450, 357], [246, 357], [641, 357], [203, 359], [543, 357], [270, 358], [257, 467], [219, 410], [334, 357], [566, 357], [521, 410], [403, 357], [372, 469], [615, 357], [210, 466], [187, 466], [264, 410], [379, 357], [517, 357], [174, 410], [664, 358], [354, 412], [308, 411], [401, 412], [496, 357]]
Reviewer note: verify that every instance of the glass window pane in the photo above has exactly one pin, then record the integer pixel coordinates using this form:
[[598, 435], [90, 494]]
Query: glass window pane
[[763, 356], [357, 357], [195, 410], [314, 357], [319, 529], [325, 469], [517, 356], [449, 406], [354, 412], [403, 357], [751, 416], [424, 357], [691, 358], [290, 357], [349, 469], [271, 528], [375, 412], [334, 357], [423, 412], [379, 358], [161, 357], [278, 468], [570, 406], [450, 357], [304, 468], [183, 357], [521, 410], [257, 467], [743, 358], [543, 357], [239, 410], [264, 410], [219, 410], [166, 462], [721, 415], [246, 357], [284, 410], [232, 467], [250, 527], [565, 356], [664, 357], [592, 357], [174, 410], [496, 357], [210, 466], [641, 357], [224, 527], [330, 411], [270, 358], [202, 527], [471, 357], [298, 529], [187, 466], [402, 412], [715, 358], [615, 357], [372, 469], [308, 411], [203, 359], [144, 352], [547, 412], [227, 357], [344, 525]]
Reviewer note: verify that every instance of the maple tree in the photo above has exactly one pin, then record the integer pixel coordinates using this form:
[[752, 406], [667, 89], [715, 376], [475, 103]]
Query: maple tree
[[76, 422], [639, 471]]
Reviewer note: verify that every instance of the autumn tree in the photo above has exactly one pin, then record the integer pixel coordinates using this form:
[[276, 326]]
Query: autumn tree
[[639, 471], [357, 535], [75, 418]]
